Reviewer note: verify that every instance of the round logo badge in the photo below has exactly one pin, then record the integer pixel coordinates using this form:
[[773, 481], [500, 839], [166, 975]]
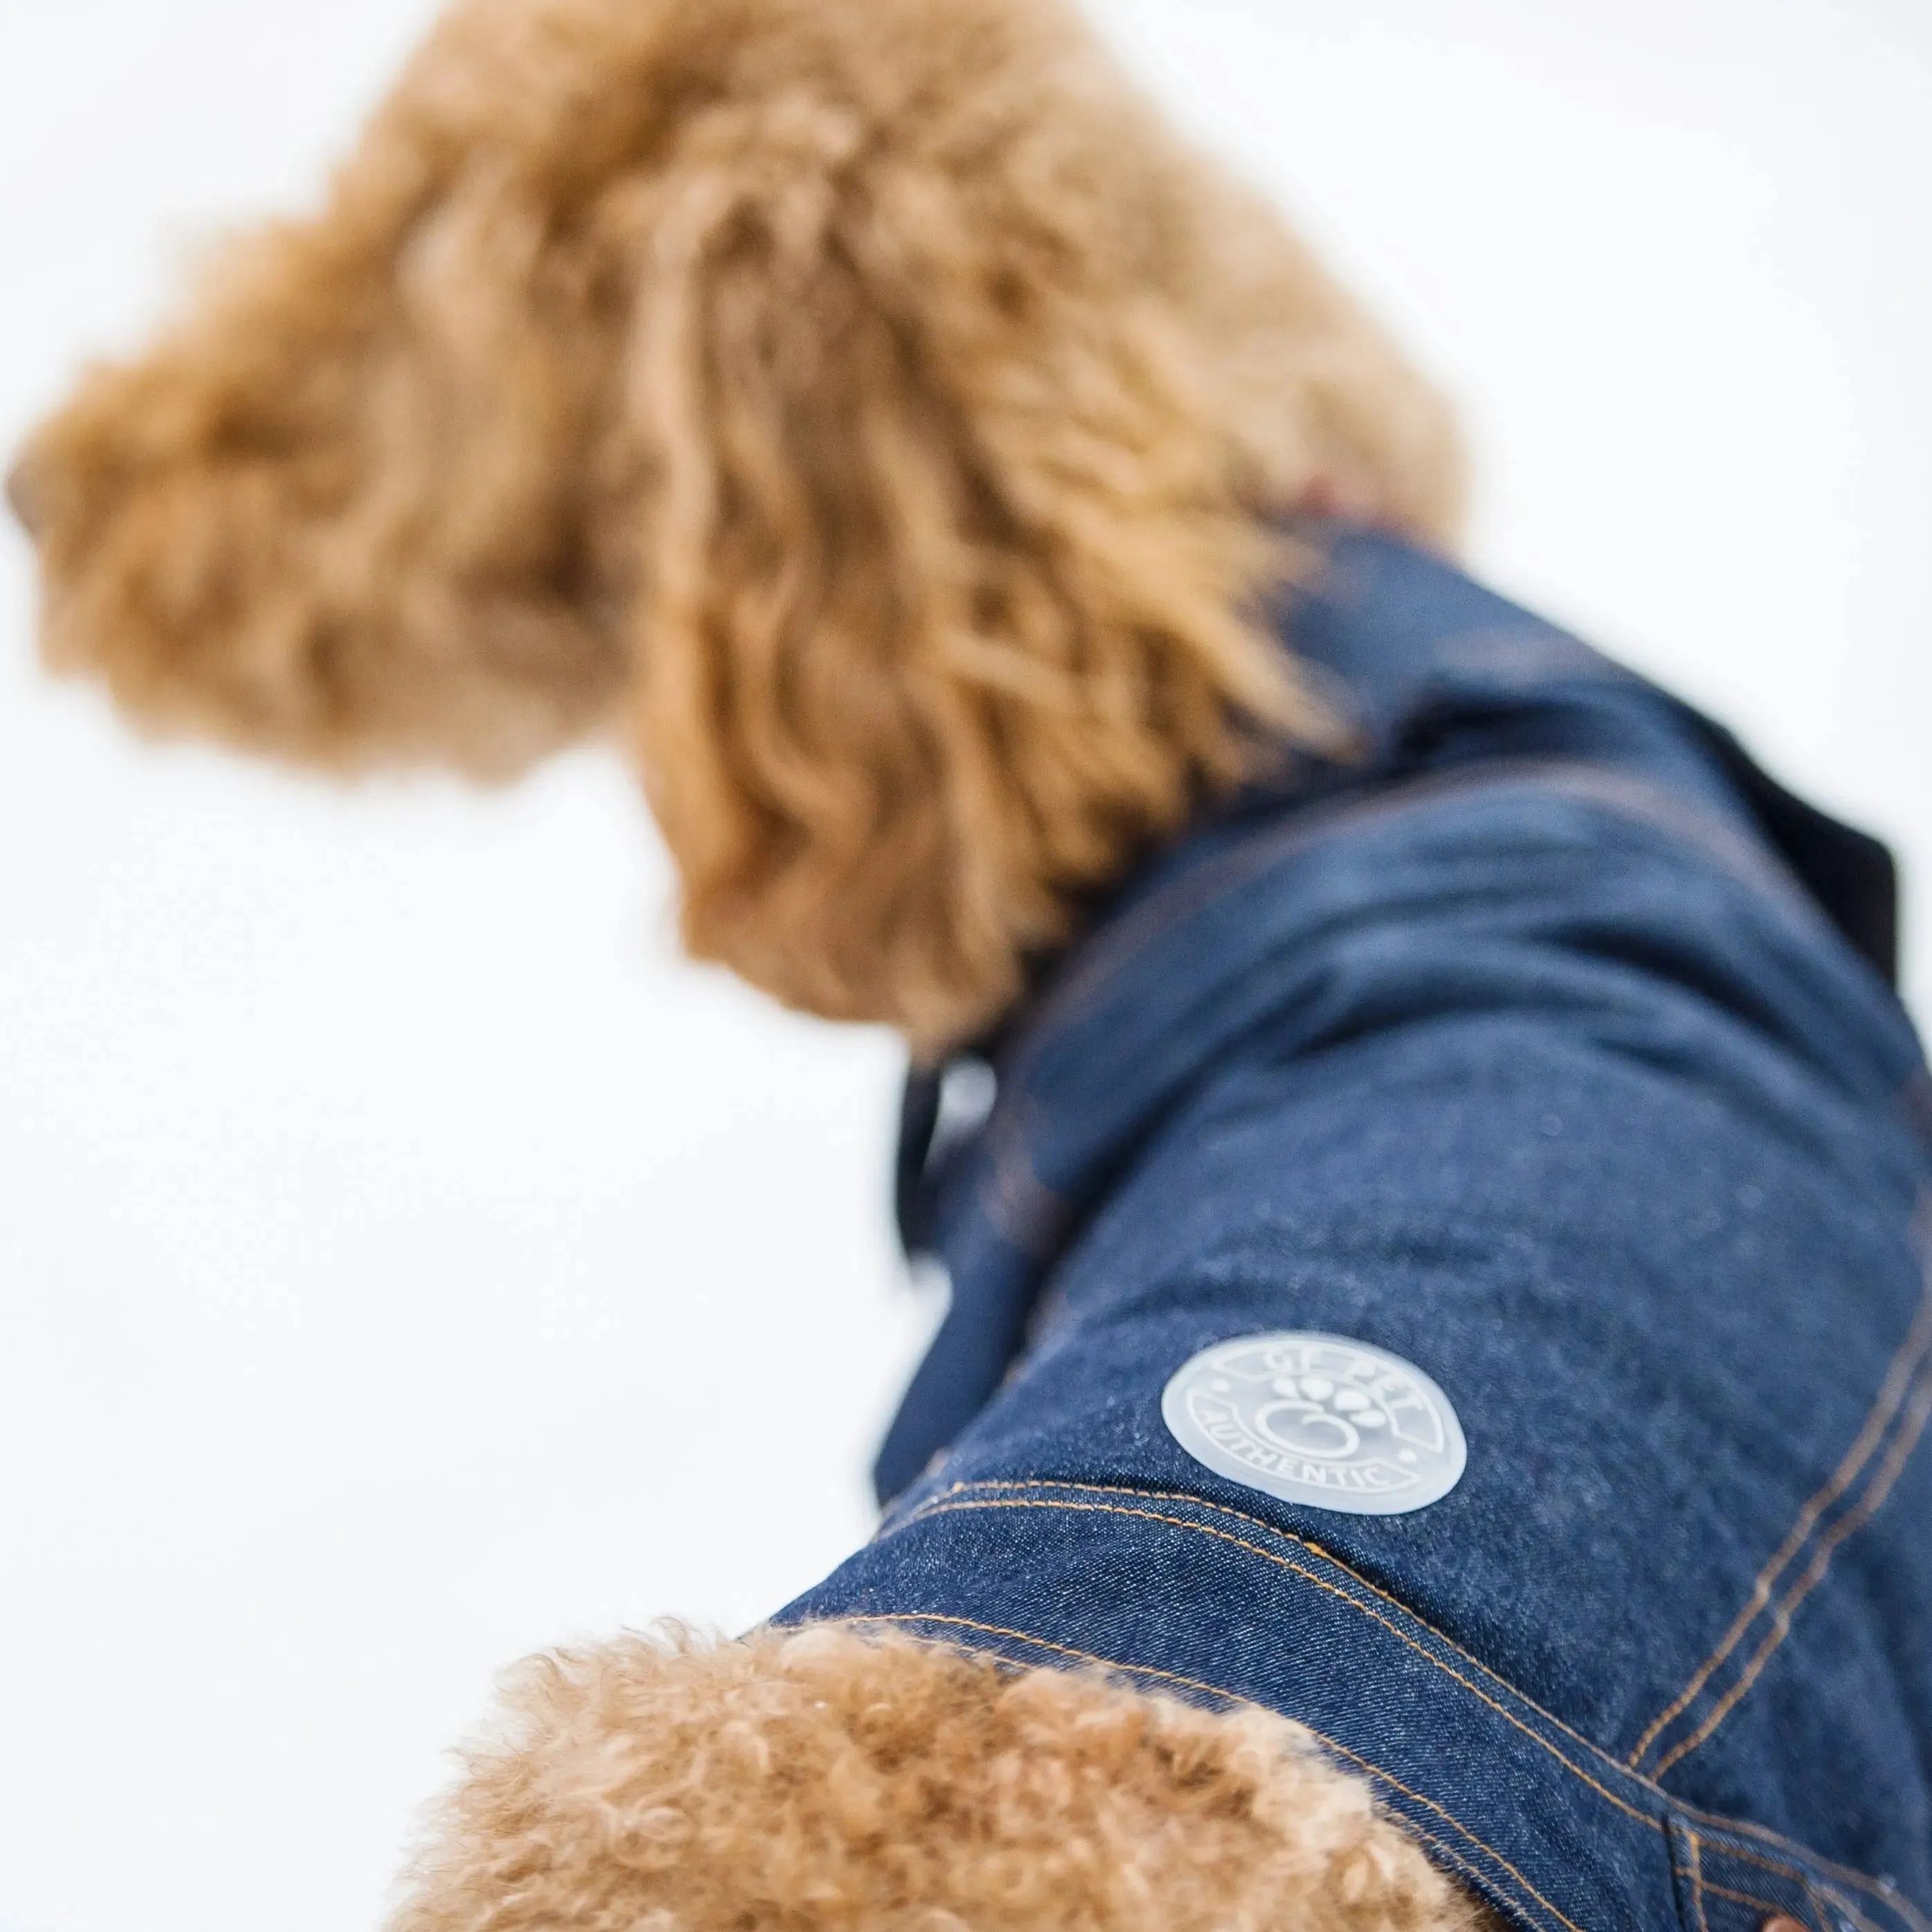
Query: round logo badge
[[1318, 1419]]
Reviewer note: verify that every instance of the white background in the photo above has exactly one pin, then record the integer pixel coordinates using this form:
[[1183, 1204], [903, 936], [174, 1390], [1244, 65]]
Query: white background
[[404, 1261]]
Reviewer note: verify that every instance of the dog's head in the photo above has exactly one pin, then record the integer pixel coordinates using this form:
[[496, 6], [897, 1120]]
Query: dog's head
[[864, 410]]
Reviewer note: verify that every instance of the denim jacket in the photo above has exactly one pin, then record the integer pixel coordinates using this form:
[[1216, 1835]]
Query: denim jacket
[[1550, 1048]]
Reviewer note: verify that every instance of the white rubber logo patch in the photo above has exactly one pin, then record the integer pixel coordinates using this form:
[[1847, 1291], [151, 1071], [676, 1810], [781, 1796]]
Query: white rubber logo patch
[[1318, 1419]]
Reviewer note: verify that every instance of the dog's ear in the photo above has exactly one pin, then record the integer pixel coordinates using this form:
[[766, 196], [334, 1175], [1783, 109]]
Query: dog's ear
[[337, 512], [968, 393], [864, 405], [945, 587]]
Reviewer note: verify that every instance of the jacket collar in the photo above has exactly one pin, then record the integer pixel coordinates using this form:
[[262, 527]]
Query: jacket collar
[[1435, 675]]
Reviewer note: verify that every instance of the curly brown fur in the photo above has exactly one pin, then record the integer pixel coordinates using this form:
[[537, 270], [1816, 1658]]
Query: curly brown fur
[[865, 409], [825, 1781]]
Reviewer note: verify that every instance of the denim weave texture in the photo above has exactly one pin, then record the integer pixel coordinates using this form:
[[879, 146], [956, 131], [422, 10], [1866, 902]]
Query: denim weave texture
[[1550, 1046]]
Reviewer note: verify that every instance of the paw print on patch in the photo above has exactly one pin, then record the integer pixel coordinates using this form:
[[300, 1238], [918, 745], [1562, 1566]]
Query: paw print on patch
[[1318, 1419], [1316, 1415]]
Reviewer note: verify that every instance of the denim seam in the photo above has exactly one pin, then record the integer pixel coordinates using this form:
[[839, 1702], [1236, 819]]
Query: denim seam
[[1895, 1900], [1233, 1697], [1878, 1419], [1700, 1885], [1891, 1395], [1898, 1901], [1815, 1887], [1854, 1519], [1697, 1883], [1447, 1851], [1703, 1885], [1285, 1536], [1321, 1583]]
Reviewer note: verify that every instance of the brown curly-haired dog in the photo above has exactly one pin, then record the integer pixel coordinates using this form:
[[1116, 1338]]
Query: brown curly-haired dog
[[868, 413]]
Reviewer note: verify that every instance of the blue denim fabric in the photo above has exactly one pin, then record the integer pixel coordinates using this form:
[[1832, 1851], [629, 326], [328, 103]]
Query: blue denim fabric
[[1550, 1048]]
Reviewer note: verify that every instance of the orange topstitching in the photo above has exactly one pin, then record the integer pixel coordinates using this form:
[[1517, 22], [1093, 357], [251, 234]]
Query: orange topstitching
[[944, 1505], [1885, 1405]]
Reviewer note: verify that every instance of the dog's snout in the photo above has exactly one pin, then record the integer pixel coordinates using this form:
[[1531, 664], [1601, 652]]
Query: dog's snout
[[26, 492]]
